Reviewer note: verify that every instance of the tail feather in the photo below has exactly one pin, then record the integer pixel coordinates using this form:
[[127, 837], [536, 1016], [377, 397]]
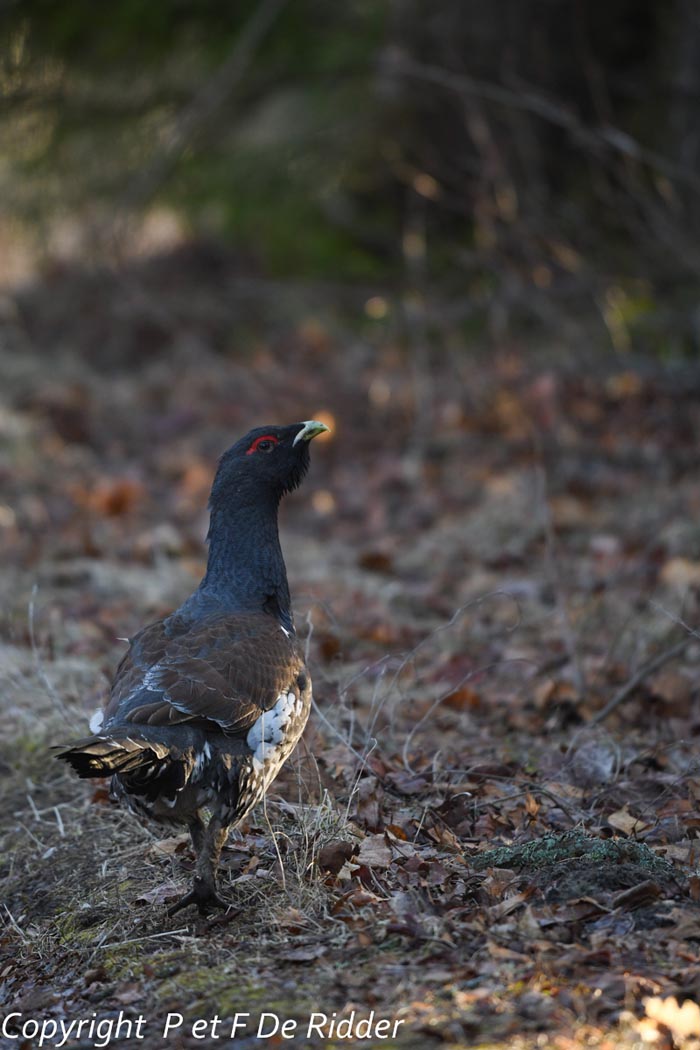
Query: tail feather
[[99, 756]]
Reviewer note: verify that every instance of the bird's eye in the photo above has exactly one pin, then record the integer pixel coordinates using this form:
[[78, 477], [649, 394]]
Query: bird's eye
[[266, 443]]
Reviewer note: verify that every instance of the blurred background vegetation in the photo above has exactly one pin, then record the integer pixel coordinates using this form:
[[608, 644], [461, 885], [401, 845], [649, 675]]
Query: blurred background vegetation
[[488, 166]]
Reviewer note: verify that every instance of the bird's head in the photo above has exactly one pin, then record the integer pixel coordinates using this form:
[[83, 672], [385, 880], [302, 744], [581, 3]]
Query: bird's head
[[268, 460]]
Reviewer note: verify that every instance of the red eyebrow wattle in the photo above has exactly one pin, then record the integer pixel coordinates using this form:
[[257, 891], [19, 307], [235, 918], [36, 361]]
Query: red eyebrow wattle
[[263, 437]]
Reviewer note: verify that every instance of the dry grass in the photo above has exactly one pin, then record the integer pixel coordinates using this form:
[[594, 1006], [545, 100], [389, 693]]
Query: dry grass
[[462, 638]]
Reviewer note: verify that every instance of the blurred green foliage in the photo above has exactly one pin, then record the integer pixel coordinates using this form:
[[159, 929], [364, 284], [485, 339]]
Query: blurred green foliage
[[100, 91], [532, 145]]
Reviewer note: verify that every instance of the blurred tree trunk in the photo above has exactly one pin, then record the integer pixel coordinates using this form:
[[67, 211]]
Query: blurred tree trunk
[[684, 102]]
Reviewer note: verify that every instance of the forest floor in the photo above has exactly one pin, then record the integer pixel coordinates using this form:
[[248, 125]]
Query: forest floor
[[489, 550]]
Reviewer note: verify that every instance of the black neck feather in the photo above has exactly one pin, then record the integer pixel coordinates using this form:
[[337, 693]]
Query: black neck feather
[[245, 568]]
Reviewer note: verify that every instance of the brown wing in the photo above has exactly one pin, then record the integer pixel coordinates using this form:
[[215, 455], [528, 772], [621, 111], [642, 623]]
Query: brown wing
[[224, 669]]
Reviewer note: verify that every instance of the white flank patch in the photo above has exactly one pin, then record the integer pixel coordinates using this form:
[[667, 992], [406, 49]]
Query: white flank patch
[[202, 758], [97, 721], [265, 736], [285, 632]]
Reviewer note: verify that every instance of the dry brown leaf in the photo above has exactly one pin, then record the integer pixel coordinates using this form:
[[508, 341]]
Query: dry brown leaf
[[576, 910], [101, 796], [444, 837], [111, 497], [329, 645], [131, 993], [531, 805], [167, 891], [292, 920], [463, 699], [509, 905], [368, 803], [569, 512], [407, 783], [436, 874], [642, 893], [686, 923], [556, 787], [673, 687], [374, 852], [356, 898], [172, 844], [333, 856], [376, 561], [307, 954], [680, 573], [622, 820], [683, 852]]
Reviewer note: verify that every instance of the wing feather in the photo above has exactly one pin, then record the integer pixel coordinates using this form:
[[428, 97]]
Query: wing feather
[[225, 670]]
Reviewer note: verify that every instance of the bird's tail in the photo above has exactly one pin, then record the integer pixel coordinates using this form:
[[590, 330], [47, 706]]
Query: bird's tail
[[102, 756]]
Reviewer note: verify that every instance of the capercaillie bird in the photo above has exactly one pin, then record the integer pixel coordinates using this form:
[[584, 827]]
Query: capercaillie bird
[[208, 703]]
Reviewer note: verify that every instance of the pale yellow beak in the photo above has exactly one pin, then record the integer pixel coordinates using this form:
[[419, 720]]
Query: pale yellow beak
[[310, 429]]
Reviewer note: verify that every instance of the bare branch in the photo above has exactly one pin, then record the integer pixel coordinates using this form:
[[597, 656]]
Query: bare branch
[[644, 671], [530, 101]]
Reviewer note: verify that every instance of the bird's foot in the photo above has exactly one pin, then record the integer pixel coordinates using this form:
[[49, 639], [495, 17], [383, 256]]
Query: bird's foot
[[203, 894]]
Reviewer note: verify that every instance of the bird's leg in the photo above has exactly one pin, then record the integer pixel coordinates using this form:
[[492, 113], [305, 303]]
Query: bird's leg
[[208, 843], [197, 833], [208, 860]]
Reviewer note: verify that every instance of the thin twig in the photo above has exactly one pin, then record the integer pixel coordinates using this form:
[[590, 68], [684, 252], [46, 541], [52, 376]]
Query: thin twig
[[38, 663], [275, 843], [555, 575], [644, 671], [15, 925], [529, 789], [530, 101], [524, 787], [448, 692], [140, 940], [678, 620]]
